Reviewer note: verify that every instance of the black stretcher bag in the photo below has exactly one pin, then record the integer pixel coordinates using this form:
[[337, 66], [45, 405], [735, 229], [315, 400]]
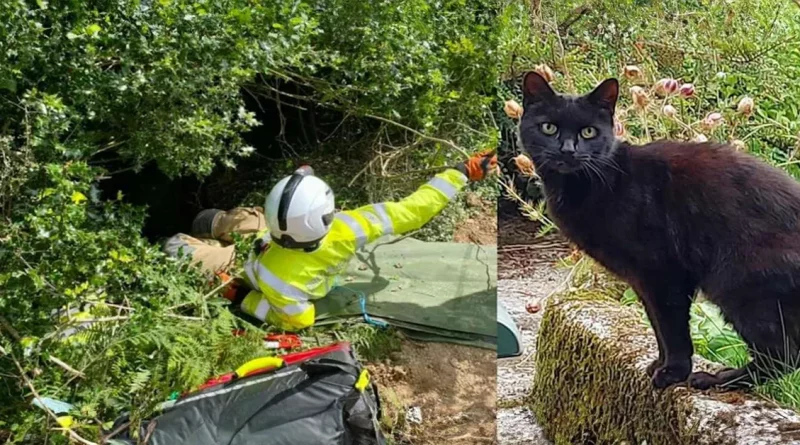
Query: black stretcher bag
[[318, 397]]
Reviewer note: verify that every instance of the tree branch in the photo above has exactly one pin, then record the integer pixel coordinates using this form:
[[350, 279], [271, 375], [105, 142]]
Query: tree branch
[[446, 142], [10, 329], [574, 16], [67, 367], [49, 412]]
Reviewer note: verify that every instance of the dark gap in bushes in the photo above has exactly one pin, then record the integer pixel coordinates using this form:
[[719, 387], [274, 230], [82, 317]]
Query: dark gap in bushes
[[292, 131]]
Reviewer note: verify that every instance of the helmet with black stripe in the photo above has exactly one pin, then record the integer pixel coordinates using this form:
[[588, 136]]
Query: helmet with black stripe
[[299, 210]]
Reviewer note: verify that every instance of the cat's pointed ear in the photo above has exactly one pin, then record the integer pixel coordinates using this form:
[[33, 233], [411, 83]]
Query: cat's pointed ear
[[605, 95], [535, 88]]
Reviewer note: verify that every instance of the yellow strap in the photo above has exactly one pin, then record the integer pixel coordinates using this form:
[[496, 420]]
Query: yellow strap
[[259, 363], [363, 380], [65, 421]]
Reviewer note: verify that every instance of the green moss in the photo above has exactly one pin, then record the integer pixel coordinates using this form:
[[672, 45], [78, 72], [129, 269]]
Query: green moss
[[590, 385]]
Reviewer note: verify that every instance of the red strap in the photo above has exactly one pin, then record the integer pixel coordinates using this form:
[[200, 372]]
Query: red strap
[[297, 357], [288, 359]]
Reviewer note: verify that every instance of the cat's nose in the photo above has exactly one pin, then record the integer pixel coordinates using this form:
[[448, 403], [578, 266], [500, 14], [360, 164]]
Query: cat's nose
[[568, 148]]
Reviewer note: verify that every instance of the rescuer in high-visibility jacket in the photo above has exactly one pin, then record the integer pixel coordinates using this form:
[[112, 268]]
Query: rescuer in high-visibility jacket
[[306, 244]]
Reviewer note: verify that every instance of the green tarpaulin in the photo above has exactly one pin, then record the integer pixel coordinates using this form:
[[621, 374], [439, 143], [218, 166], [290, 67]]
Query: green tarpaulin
[[432, 291]]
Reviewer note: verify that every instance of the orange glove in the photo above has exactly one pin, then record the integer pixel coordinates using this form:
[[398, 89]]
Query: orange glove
[[229, 291], [479, 165]]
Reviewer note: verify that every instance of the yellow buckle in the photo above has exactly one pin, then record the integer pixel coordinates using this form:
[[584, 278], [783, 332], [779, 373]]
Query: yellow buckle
[[363, 381]]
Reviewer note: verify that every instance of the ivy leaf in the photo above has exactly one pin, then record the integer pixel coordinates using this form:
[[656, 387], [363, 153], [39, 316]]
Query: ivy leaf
[[8, 85], [78, 197], [93, 29], [38, 281]]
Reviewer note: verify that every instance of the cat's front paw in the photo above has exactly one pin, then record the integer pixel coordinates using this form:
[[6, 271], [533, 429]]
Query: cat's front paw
[[667, 375], [651, 368], [703, 380]]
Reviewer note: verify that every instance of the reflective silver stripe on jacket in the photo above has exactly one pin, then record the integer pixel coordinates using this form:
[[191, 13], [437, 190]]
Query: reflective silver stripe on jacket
[[386, 222], [361, 236], [293, 309], [443, 186], [262, 309], [279, 285], [249, 268]]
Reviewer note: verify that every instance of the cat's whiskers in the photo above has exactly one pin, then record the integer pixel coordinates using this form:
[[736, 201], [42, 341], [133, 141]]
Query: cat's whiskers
[[541, 165], [601, 172], [609, 162], [588, 167]]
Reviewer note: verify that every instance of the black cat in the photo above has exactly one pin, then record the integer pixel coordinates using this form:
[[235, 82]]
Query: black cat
[[672, 218]]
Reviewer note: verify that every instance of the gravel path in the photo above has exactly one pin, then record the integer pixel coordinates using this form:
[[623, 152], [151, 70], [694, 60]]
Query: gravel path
[[516, 424]]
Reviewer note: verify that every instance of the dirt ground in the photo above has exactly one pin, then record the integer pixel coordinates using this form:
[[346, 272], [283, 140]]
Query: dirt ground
[[453, 386], [520, 253], [480, 228]]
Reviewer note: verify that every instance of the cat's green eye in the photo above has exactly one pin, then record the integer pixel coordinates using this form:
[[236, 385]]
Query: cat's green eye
[[588, 132], [549, 129]]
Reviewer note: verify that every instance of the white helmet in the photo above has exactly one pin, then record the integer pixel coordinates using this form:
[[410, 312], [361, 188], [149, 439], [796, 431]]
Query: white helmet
[[299, 210]]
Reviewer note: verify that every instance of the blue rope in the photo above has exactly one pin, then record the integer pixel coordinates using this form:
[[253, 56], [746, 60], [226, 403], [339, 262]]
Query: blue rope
[[363, 302], [367, 318]]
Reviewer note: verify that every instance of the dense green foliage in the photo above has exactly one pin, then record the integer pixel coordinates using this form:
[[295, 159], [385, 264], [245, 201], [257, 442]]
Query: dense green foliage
[[89, 89]]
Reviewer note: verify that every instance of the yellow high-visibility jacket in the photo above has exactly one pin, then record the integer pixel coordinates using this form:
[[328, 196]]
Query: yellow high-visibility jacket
[[286, 281]]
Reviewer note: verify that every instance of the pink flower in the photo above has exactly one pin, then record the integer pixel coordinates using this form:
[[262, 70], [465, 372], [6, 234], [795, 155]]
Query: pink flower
[[712, 121], [619, 129], [669, 111], [632, 72], [513, 109], [746, 106], [665, 87], [545, 71], [525, 165], [687, 90], [639, 96]]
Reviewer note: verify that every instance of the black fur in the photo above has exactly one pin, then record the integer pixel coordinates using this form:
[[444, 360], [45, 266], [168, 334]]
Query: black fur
[[672, 218]]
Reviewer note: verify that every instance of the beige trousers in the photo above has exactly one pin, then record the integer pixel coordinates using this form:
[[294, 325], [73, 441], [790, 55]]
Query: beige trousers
[[217, 254]]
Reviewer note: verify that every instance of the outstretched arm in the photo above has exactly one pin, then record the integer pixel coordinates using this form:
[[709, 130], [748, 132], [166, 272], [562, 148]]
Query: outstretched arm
[[370, 222], [413, 211]]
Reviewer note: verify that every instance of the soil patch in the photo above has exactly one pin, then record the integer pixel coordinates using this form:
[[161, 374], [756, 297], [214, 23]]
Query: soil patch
[[520, 252], [453, 387], [481, 227]]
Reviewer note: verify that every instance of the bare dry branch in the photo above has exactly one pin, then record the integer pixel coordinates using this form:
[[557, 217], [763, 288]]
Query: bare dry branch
[[49, 412], [8, 328], [446, 142], [67, 367]]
